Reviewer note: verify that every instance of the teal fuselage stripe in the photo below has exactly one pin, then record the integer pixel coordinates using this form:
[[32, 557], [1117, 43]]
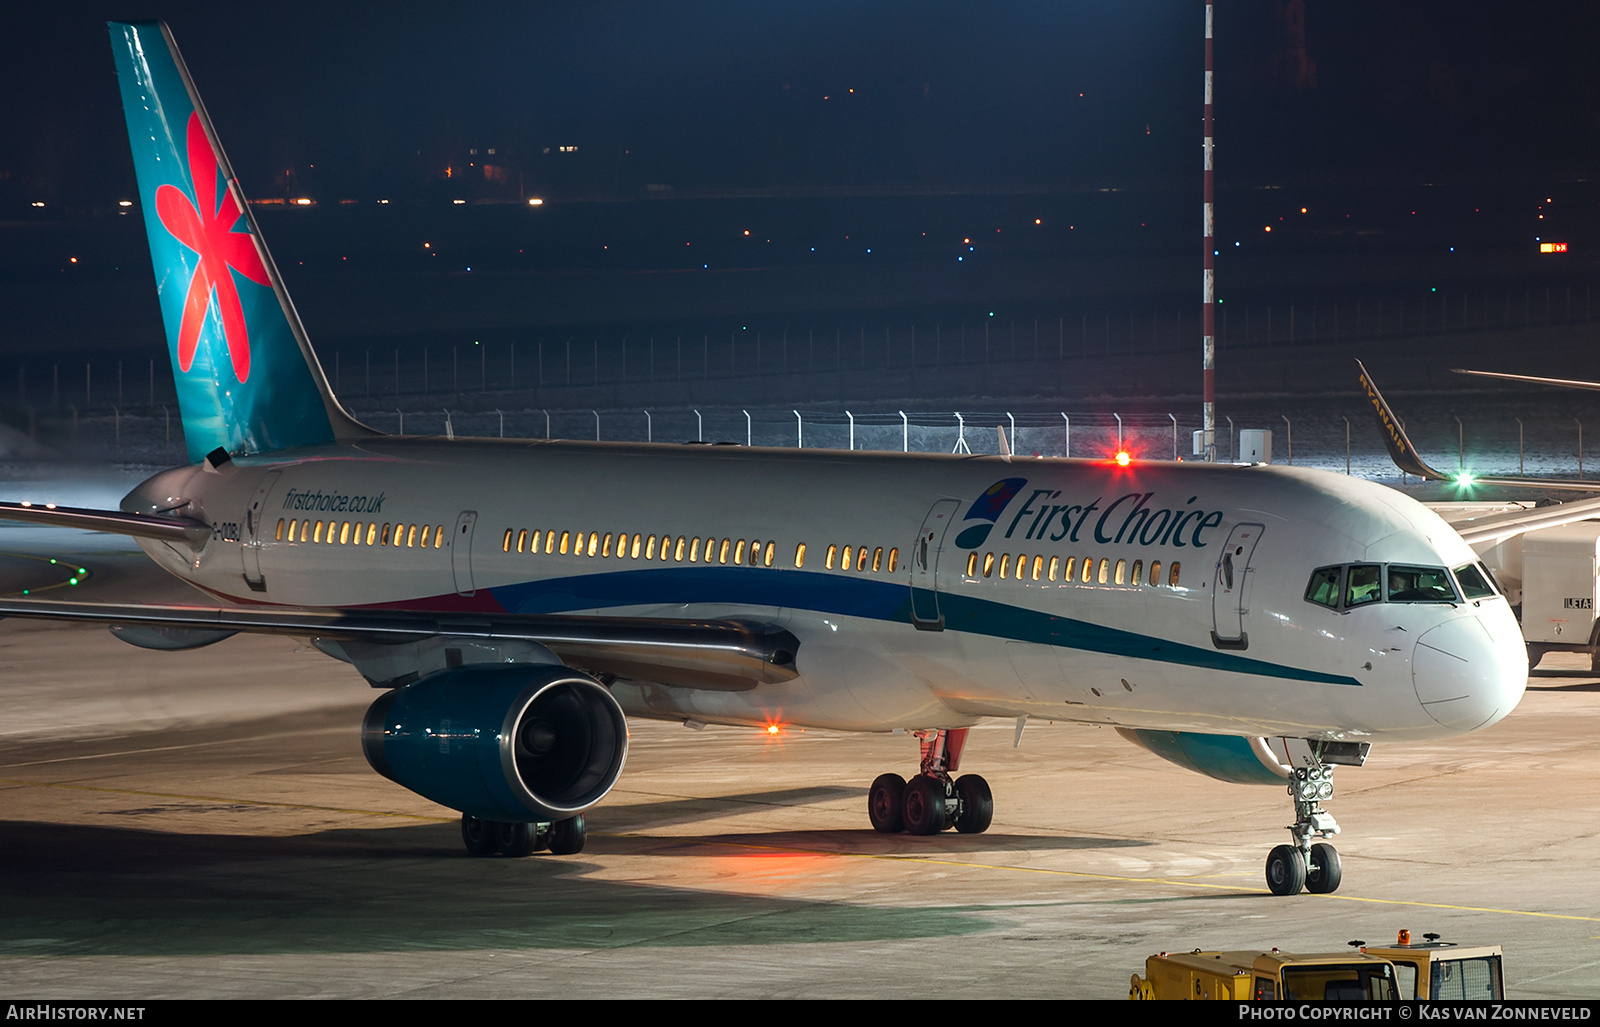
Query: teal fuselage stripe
[[848, 596]]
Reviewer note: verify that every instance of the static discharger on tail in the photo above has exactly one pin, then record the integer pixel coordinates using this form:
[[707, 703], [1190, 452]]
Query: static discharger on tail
[[514, 601]]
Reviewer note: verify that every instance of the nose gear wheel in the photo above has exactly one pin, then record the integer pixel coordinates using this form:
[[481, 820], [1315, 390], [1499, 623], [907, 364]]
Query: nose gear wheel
[[1303, 865]]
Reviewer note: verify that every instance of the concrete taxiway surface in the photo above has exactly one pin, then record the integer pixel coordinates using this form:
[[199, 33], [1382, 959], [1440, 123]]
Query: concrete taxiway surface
[[203, 825]]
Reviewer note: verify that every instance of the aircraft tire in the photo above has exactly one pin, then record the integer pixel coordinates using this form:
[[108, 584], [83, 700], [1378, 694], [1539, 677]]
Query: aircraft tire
[[515, 838], [1324, 877], [567, 836], [977, 804], [924, 805], [1286, 870], [886, 803], [477, 835]]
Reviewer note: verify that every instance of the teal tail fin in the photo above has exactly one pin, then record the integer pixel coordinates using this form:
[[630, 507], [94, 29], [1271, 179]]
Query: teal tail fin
[[247, 378]]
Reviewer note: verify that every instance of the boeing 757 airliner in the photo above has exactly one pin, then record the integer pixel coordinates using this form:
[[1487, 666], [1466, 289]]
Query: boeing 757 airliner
[[515, 601]]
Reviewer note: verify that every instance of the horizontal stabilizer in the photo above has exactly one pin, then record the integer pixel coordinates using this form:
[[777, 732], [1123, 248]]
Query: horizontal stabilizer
[[725, 655], [177, 530]]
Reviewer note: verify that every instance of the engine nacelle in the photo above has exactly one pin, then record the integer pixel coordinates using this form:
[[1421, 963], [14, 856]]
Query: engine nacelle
[[1225, 757], [509, 743]]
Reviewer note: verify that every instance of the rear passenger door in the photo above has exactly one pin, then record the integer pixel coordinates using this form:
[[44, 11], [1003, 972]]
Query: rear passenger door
[[461, 551]]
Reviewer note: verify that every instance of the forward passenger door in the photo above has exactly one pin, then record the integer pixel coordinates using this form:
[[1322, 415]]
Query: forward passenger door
[[1230, 587]]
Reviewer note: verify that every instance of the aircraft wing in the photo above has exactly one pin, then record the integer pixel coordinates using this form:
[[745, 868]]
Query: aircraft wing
[[724, 655], [1481, 531], [1564, 383], [1406, 457]]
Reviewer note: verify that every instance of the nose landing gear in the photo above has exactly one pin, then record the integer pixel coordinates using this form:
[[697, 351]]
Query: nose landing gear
[[932, 801], [1304, 865]]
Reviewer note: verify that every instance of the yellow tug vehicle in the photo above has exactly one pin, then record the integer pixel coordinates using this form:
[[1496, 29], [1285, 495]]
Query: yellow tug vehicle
[[1430, 969]]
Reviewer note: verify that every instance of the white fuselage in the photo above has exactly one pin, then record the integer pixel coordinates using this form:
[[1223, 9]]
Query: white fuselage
[[917, 631]]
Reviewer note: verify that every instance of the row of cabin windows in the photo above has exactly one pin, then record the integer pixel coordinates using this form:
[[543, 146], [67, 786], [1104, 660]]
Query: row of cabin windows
[[689, 549], [864, 557], [622, 546], [683, 548], [1070, 570], [412, 536]]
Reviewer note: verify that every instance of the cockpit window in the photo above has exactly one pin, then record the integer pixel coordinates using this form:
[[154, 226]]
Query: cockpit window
[[1324, 586], [1420, 585], [1361, 585], [1473, 584]]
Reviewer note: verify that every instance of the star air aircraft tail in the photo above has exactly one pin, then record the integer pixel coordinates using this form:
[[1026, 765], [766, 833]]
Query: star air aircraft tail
[[247, 378]]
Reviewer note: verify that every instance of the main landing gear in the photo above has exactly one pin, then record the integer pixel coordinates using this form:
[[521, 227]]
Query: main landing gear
[[932, 801], [487, 837], [1314, 867]]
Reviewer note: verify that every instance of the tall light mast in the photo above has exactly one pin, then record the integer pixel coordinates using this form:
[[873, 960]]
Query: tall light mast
[[1208, 285]]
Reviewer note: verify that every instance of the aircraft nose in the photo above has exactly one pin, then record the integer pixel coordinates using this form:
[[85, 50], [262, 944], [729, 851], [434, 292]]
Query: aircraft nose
[[1471, 671]]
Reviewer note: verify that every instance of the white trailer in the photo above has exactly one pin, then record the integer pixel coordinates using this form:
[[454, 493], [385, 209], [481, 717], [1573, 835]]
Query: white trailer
[[1551, 576], [1560, 582]]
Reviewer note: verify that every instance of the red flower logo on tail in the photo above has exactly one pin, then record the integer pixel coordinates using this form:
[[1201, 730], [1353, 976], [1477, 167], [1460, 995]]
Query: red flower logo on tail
[[208, 231]]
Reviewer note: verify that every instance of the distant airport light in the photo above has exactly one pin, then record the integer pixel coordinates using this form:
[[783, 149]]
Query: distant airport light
[[37, 203], [1269, 228], [383, 201], [1302, 210], [124, 203], [534, 201], [1552, 247], [458, 202], [301, 201], [73, 259]]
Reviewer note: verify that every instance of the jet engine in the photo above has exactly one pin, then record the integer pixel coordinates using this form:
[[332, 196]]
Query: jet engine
[[510, 743]]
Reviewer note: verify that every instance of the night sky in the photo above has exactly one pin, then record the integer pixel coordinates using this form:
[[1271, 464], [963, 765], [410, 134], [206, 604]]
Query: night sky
[[727, 95]]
